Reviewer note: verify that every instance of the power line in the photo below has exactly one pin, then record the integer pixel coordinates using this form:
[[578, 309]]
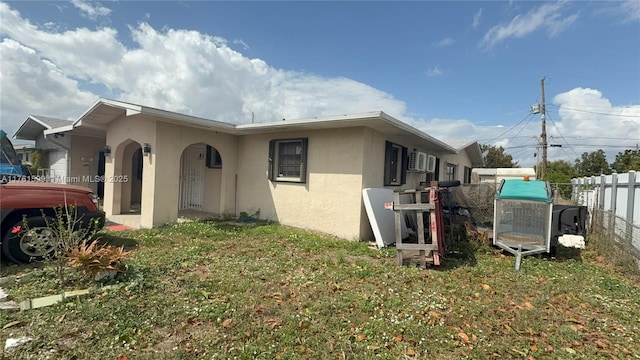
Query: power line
[[593, 137], [512, 137], [596, 112], [565, 140], [630, 146], [513, 127]]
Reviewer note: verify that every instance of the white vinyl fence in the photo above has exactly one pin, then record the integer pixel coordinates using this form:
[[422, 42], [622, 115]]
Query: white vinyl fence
[[617, 198]]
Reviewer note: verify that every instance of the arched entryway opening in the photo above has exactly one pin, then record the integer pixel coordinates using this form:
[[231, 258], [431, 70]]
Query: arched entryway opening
[[200, 180], [127, 178]]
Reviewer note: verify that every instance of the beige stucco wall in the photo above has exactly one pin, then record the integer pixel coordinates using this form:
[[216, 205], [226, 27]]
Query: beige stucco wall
[[213, 192], [330, 200], [161, 169], [373, 170], [460, 160], [219, 188], [340, 163], [120, 135], [84, 155]]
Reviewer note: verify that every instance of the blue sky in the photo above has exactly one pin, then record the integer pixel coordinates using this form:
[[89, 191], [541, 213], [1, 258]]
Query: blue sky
[[456, 70]]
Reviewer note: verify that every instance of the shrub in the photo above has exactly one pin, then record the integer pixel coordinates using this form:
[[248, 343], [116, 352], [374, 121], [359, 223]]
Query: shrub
[[97, 259]]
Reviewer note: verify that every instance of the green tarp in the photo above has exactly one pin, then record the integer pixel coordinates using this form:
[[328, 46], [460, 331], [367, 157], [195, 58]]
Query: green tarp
[[535, 190]]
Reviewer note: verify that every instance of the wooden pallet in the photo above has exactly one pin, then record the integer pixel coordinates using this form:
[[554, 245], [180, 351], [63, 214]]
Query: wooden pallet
[[427, 251]]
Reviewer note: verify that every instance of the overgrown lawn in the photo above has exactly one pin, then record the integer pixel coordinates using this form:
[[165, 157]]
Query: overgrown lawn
[[212, 290]]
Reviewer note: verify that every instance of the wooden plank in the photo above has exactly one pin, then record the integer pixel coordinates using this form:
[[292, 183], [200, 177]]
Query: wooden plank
[[426, 247], [420, 221], [417, 207], [398, 224]]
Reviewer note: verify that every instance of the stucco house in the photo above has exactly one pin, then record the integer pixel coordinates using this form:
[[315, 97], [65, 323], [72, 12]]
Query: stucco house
[[307, 173], [67, 156]]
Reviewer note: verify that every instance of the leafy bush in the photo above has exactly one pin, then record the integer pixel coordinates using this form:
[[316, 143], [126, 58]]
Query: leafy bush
[[95, 259]]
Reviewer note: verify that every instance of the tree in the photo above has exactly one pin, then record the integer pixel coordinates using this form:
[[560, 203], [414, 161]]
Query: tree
[[496, 157], [592, 164], [559, 174], [626, 161]]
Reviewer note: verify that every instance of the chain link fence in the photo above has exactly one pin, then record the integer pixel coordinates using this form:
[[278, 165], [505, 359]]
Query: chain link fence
[[617, 239], [478, 199], [611, 236]]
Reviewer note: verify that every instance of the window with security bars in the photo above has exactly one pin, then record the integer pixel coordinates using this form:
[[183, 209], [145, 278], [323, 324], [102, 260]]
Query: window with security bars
[[287, 158]]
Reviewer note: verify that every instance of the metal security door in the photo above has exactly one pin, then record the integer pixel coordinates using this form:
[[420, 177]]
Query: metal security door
[[192, 177]]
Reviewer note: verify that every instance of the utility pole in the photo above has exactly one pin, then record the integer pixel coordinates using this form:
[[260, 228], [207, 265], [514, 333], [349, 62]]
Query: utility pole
[[543, 117]]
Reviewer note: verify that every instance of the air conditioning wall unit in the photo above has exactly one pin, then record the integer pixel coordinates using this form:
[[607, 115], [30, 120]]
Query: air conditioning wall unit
[[417, 161], [431, 164]]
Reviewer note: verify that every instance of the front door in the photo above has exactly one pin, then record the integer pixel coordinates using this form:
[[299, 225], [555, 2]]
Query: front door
[[192, 164]]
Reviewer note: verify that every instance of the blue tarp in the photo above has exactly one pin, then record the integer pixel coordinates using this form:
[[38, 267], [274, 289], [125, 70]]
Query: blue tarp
[[9, 161]]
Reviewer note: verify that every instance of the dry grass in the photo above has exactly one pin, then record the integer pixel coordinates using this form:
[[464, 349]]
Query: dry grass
[[206, 290]]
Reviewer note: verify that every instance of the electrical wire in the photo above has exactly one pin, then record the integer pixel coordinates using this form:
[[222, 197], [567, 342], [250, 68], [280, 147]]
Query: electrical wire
[[578, 145], [562, 136], [593, 137], [596, 112], [513, 127]]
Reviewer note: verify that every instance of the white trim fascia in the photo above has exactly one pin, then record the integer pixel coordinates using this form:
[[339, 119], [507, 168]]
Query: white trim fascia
[[315, 120], [188, 119], [24, 123], [58, 130], [411, 129]]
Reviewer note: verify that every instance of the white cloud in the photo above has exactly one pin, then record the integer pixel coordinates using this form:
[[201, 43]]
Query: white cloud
[[61, 73], [476, 18], [177, 70], [241, 42], [630, 10], [548, 16], [581, 120], [445, 42], [434, 71], [590, 121], [91, 10], [29, 82]]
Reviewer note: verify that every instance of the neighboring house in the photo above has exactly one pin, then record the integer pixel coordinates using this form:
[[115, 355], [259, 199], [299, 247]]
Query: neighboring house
[[305, 173], [455, 171], [496, 175], [24, 152], [68, 157]]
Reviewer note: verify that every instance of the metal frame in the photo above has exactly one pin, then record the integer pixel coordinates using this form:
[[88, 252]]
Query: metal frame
[[529, 249]]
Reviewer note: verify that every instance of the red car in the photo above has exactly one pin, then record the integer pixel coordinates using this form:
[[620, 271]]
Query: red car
[[34, 201]]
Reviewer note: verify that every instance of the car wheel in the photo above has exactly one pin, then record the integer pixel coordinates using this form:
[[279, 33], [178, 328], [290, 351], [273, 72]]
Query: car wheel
[[25, 245]]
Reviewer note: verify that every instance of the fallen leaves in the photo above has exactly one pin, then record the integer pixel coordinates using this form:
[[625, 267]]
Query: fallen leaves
[[464, 337], [525, 305], [600, 344], [272, 322]]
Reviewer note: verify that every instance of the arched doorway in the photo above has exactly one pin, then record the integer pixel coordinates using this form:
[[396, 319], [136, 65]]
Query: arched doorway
[[128, 177], [200, 179]]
